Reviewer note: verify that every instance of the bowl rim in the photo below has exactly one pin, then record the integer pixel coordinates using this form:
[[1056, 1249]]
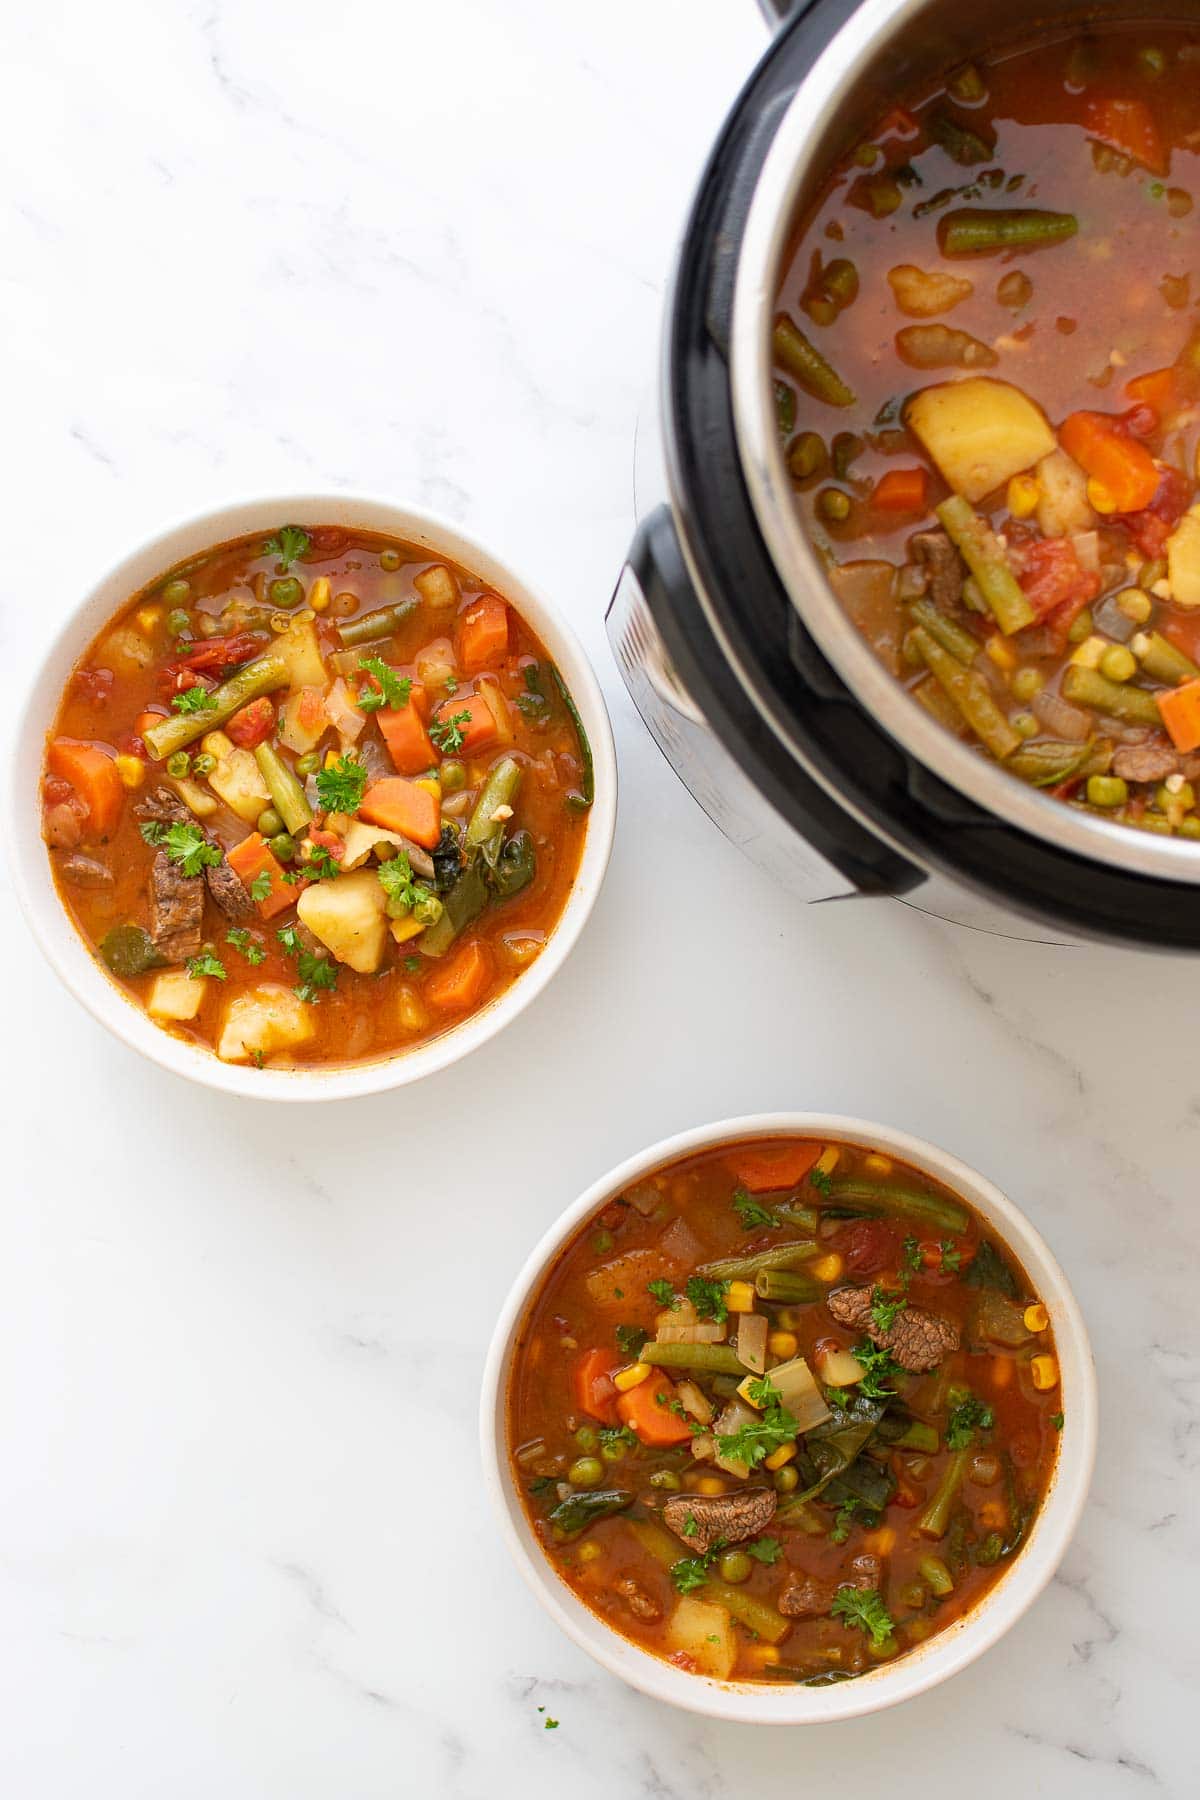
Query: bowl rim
[[941, 1656], [55, 932]]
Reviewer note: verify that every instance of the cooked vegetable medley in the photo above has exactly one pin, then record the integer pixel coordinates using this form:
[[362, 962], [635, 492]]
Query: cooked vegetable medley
[[784, 1411], [315, 798], [988, 363]]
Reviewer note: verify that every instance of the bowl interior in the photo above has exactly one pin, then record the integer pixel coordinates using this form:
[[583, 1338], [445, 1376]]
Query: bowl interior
[[55, 932], [929, 1663]]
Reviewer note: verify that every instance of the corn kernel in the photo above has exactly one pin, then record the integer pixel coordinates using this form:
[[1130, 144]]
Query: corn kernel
[[828, 1160], [319, 595], [744, 1387], [1036, 1317], [778, 1458], [1087, 655], [1001, 1371], [709, 1484], [827, 1268], [631, 1377], [403, 929], [432, 786], [1044, 1370], [1024, 492], [148, 618], [878, 1165], [881, 1542], [590, 1551], [1100, 497], [740, 1297], [131, 769], [1001, 652], [783, 1343], [765, 1655], [412, 1015], [332, 757]]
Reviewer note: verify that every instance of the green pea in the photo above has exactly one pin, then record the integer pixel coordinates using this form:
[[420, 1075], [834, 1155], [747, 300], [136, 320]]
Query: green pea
[[204, 764], [1026, 683], [833, 505], [308, 764], [602, 1242], [389, 560], [1189, 827], [283, 847], [179, 623], [1025, 725], [587, 1437], [286, 591], [453, 776], [1080, 627], [1136, 605], [614, 1451], [179, 765], [667, 1480], [735, 1566], [786, 1479], [177, 592], [586, 1472], [269, 822], [1107, 790], [1118, 662]]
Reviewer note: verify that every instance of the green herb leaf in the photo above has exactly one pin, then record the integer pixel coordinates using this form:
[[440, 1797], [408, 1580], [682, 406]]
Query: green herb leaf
[[194, 700], [965, 1418], [289, 937], [863, 1608], [951, 1256], [184, 843], [320, 864], [630, 1339], [448, 734], [206, 964], [662, 1291], [289, 544], [885, 1308], [764, 1550], [317, 974], [761, 1437], [390, 689], [879, 1366], [690, 1527], [822, 1181], [340, 787], [1058, 1420], [260, 887], [752, 1215], [248, 946], [708, 1298]]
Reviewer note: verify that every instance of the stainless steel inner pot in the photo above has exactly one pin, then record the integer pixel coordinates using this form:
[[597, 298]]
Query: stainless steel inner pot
[[886, 49]]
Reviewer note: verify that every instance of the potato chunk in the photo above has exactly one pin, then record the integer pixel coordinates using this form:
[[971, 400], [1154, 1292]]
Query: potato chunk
[[238, 781], [350, 918], [1183, 560], [175, 996], [299, 649], [979, 432], [1063, 507], [705, 1633], [263, 1019], [362, 838]]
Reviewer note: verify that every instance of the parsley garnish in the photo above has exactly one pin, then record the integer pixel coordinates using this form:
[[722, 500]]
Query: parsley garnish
[[951, 1256], [260, 887], [619, 1434], [879, 1366], [708, 1298], [864, 1608], [764, 1550], [321, 864], [448, 734], [630, 1339], [912, 1258], [551, 1724], [690, 1527], [289, 544], [662, 1291], [289, 937], [258, 1058], [390, 690], [691, 1572], [838, 1397], [760, 1437], [184, 843], [964, 1418], [413, 965], [316, 973], [206, 964], [451, 684], [340, 787], [822, 1181], [194, 700], [751, 1213], [1058, 1420], [396, 880], [884, 1310], [249, 946], [843, 1520]]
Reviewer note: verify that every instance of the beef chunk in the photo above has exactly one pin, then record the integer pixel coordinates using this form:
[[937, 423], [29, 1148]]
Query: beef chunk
[[917, 1339], [804, 1597], [1150, 762], [698, 1520], [176, 909], [85, 872], [945, 567], [163, 806], [641, 1604], [230, 892]]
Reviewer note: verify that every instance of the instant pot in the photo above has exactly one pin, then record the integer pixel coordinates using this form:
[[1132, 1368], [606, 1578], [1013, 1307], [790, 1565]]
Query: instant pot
[[767, 702]]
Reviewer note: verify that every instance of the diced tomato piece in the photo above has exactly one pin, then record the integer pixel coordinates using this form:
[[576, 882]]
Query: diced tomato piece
[[483, 634], [868, 1245], [473, 717], [56, 790], [252, 725], [214, 655], [1052, 577], [1182, 630], [327, 538], [1130, 127], [130, 744], [93, 685], [1151, 527], [327, 840], [592, 1386], [1159, 390]]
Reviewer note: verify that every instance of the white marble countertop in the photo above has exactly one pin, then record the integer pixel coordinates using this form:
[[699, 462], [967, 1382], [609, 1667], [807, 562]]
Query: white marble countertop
[[421, 249]]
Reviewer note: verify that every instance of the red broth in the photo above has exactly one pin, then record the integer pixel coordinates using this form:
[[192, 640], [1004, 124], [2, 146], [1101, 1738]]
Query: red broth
[[810, 1540], [372, 917]]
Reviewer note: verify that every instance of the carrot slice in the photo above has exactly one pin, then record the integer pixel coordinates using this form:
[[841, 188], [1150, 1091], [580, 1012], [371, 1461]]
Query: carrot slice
[[767, 1171], [1180, 709], [478, 727], [902, 490], [645, 1408], [483, 634], [1122, 466], [1130, 127], [592, 1386], [252, 858], [408, 742], [1158, 390], [463, 981], [403, 806], [93, 775]]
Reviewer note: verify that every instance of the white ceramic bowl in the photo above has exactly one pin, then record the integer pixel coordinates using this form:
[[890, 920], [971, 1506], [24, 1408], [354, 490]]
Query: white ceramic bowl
[[927, 1664], [66, 950]]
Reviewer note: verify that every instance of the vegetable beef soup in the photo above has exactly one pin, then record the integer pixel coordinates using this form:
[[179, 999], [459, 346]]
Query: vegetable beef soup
[[316, 798], [783, 1411], [988, 364]]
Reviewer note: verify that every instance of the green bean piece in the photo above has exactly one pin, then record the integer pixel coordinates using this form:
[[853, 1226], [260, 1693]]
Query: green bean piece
[[587, 786], [1119, 699], [919, 1436], [970, 694], [370, 627], [960, 142], [716, 1359], [804, 362], [961, 645], [176, 733], [286, 793], [876, 1197], [745, 1268], [985, 557], [1048, 764], [935, 1520], [1027, 682], [805, 1218], [484, 832], [784, 1288], [464, 902], [785, 408], [1161, 660], [936, 1576], [204, 764], [978, 231]]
